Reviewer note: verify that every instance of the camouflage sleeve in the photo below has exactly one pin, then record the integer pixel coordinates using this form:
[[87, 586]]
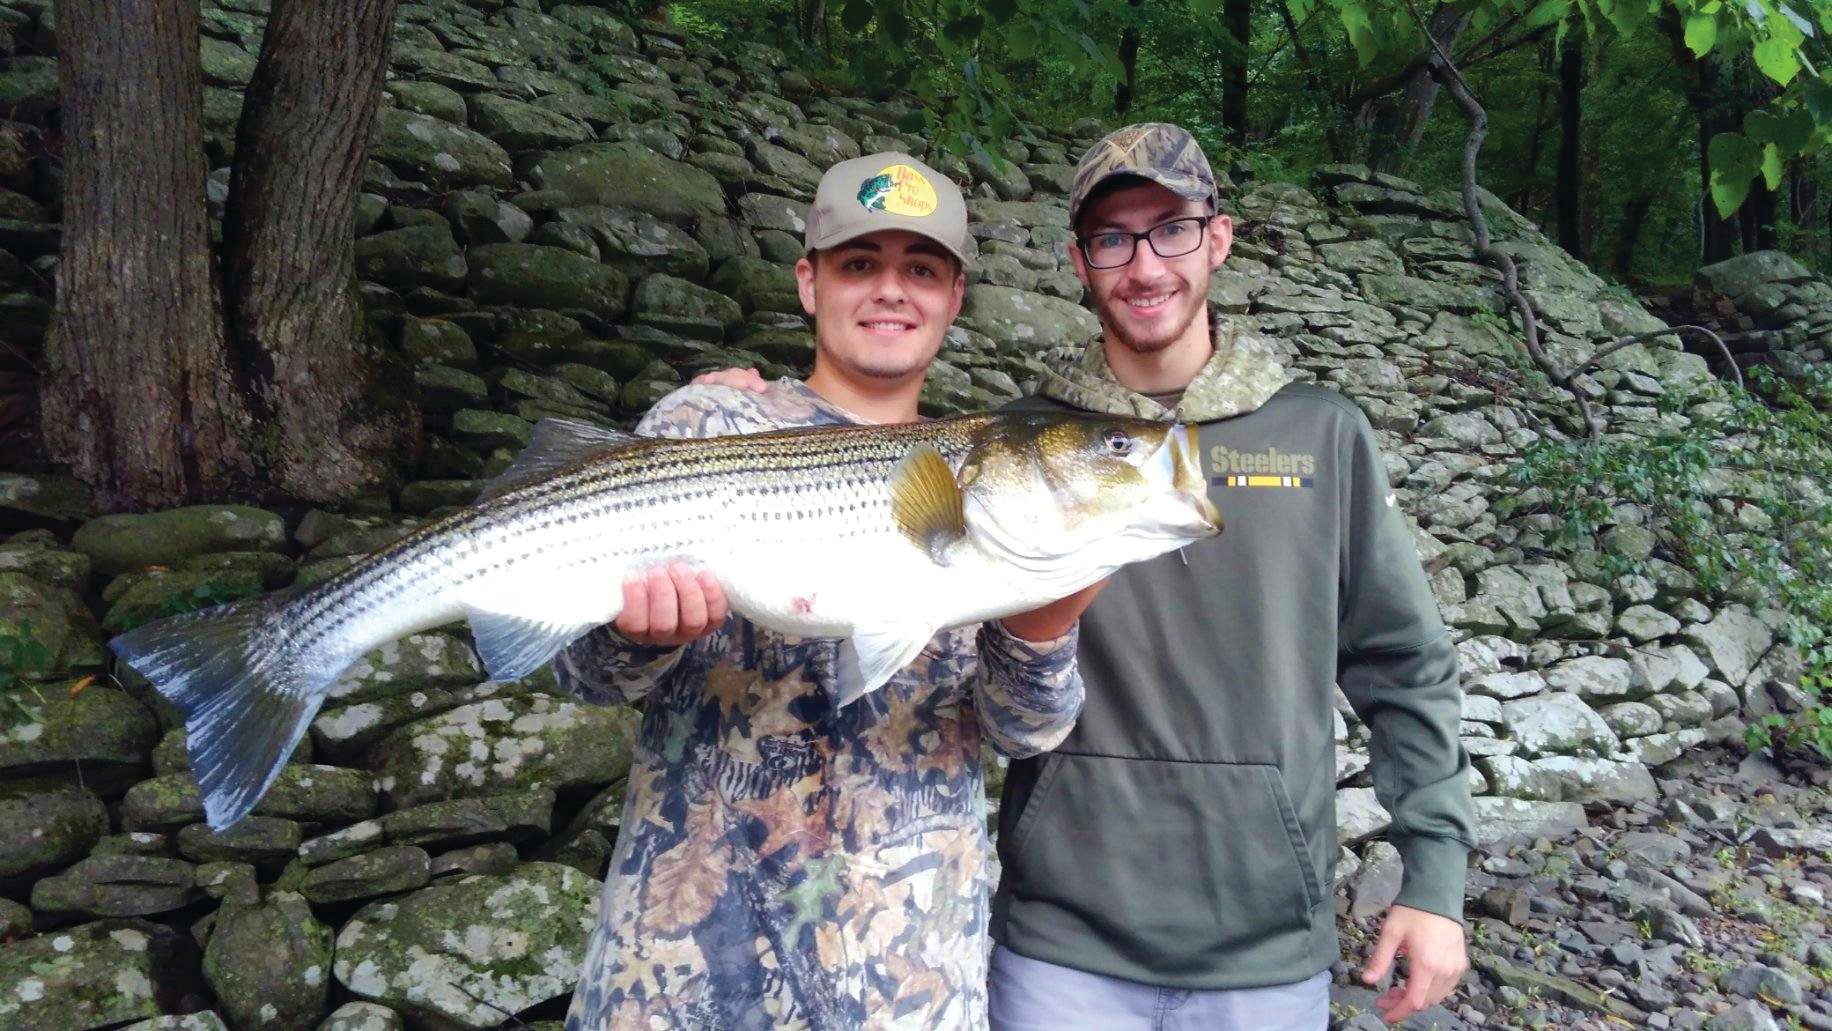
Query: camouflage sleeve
[[1028, 693], [709, 411], [604, 666]]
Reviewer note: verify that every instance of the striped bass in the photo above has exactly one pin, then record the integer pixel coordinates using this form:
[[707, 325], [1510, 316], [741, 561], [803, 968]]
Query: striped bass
[[881, 535]]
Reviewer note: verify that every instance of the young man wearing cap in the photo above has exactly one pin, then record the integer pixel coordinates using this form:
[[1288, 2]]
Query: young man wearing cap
[[1170, 864], [784, 861]]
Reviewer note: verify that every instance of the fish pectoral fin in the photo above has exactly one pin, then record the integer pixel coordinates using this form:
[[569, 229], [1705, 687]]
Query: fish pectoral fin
[[872, 655], [513, 646], [927, 502], [555, 444]]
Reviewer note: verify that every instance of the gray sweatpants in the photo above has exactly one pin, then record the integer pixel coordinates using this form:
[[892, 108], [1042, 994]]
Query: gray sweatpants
[[1027, 994]]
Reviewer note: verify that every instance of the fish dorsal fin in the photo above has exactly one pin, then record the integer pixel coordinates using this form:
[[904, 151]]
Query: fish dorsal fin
[[556, 443], [927, 503], [872, 655]]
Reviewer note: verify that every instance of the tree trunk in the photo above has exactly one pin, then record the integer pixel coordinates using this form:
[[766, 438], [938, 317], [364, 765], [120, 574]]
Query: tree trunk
[[1522, 199], [1633, 218], [1237, 15], [1758, 218], [813, 17], [1395, 128], [1129, 60], [335, 412], [1570, 188], [1328, 101], [138, 400]]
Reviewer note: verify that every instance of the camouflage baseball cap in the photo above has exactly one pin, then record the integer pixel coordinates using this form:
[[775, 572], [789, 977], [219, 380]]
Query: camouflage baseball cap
[[1163, 153], [887, 191]]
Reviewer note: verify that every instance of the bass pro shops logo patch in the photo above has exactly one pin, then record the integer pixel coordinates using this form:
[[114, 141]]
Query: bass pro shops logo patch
[[1268, 468], [898, 190]]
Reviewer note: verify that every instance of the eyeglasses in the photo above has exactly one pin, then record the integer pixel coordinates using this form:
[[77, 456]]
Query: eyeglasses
[[1171, 239]]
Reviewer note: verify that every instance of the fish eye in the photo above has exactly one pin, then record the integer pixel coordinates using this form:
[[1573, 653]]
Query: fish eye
[[1118, 442]]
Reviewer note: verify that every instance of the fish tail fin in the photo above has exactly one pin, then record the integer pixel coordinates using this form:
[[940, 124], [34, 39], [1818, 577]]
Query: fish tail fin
[[245, 691]]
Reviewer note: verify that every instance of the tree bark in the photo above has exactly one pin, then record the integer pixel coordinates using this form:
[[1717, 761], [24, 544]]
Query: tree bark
[[1634, 217], [335, 411], [1237, 15], [813, 17], [1570, 179], [1129, 60], [1757, 217], [139, 399], [1328, 101], [1395, 128]]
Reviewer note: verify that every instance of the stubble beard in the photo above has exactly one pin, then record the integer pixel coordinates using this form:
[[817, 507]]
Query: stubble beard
[[881, 367], [1113, 320]]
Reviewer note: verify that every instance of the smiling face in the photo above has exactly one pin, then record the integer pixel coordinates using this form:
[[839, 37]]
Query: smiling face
[[1151, 303], [881, 304]]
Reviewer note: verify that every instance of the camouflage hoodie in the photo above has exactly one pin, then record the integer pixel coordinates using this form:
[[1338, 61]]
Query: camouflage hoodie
[[1242, 374]]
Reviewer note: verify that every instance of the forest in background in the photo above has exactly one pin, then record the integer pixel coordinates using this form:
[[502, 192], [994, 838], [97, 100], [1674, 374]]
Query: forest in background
[[1612, 123]]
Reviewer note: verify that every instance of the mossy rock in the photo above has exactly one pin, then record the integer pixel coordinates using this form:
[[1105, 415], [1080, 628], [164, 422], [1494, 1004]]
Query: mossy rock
[[531, 741], [101, 735], [631, 175], [270, 964], [98, 975], [49, 825], [463, 953], [159, 595], [545, 277], [126, 542]]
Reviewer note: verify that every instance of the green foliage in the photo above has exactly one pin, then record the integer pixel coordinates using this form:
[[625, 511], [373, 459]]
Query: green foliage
[[1770, 33], [21, 653], [1740, 501]]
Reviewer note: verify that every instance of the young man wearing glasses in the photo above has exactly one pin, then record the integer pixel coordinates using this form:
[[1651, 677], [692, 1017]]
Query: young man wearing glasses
[[1171, 863]]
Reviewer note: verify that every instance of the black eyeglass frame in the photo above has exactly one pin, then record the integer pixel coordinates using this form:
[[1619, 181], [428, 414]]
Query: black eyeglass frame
[[1202, 220]]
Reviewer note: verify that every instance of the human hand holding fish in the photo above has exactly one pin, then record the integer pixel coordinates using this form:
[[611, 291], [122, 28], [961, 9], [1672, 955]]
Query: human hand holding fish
[[745, 378], [879, 536], [671, 605]]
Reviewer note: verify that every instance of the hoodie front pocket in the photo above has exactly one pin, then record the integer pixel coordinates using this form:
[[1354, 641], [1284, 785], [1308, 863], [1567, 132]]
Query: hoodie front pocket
[[1172, 863]]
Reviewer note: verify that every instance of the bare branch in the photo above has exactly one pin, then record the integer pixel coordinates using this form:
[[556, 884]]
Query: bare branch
[[1628, 341]]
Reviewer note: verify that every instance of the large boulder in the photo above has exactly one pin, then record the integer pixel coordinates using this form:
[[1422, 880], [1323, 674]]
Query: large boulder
[[436, 151], [468, 952], [677, 306], [534, 276], [49, 825], [502, 745], [1731, 644], [1026, 323], [519, 127], [126, 542], [638, 243], [412, 663], [53, 631], [386, 871], [1597, 679], [98, 975], [270, 963], [418, 256], [632, 176], [302, 792], [1556, 723], [117, 885], [102, 736]]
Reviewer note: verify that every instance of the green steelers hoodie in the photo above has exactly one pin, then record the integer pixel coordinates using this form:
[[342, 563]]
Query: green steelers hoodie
[[1184, 835]]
